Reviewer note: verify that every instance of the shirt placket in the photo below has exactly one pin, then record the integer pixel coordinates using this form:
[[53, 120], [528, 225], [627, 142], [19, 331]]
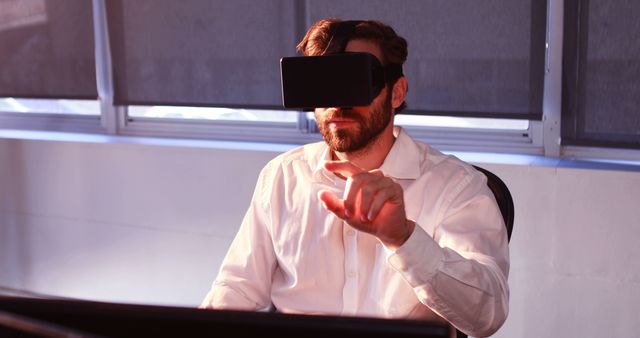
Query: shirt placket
[[350, 290], [350, 295]]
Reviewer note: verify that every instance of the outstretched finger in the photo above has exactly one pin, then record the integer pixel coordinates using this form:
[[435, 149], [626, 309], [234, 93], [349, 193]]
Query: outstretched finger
[[332, 203]]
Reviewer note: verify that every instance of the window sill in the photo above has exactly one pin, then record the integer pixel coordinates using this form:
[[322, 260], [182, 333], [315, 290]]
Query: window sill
[[469, 156]]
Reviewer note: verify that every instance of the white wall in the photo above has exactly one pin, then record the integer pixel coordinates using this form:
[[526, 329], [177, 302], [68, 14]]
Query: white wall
[[150, 224]]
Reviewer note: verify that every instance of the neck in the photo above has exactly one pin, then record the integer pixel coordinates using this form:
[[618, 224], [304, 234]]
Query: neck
[[373, 154]]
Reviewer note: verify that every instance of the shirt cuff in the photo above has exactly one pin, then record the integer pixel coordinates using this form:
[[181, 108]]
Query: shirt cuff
[[418, 259]]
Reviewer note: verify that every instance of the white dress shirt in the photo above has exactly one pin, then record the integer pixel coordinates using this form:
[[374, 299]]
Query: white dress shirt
[[291, 253]]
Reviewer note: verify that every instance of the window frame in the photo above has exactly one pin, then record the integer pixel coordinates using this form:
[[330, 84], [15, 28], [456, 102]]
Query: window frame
[[51, 122]]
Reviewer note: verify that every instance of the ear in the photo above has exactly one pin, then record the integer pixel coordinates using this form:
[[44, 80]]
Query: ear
[[399, 92]]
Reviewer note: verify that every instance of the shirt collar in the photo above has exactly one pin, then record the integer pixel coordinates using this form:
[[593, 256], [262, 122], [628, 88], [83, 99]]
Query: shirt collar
[[404, 158], [317, 157], [402, 162]]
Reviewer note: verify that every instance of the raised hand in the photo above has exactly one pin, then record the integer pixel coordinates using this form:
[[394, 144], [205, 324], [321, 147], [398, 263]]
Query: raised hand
[[372, 203]]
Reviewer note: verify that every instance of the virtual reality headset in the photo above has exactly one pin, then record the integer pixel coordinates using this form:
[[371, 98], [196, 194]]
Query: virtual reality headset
[[335, 80]]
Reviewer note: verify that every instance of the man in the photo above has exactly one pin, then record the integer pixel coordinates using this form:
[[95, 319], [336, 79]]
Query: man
[[369, 222]]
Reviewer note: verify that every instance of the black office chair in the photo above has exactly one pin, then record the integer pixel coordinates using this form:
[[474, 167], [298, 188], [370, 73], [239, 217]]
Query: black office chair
[[503, 198], [505, 203]]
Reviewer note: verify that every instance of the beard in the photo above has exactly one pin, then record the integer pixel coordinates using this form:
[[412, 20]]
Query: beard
[[367, 129]]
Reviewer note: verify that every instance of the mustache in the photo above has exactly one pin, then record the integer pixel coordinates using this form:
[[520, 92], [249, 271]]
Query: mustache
[[345, 114]]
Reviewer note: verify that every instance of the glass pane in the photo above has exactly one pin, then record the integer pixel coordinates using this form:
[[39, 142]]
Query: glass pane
[[455, 122], [207, 113], [46, 106], [461, 122]]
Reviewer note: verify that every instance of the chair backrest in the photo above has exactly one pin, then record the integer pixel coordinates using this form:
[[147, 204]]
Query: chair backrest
[[503, 197], [505, 203]]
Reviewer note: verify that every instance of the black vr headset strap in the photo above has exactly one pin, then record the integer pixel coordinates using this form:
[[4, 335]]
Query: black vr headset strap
[[338, 44], [392, 72]]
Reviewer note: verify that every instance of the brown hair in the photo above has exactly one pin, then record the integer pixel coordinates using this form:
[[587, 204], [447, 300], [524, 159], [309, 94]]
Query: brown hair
[[392, 46]]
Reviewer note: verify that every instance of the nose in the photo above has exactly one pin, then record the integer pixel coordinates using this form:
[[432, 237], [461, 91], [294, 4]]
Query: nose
[[332, 109]]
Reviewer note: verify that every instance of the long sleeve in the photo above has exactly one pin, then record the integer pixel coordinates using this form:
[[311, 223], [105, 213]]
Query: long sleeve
[[244, 279], [461, 272]]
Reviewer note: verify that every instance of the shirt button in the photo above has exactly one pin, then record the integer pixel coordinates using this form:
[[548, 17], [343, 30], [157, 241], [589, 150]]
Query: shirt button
[[350, 232], [351, 274]]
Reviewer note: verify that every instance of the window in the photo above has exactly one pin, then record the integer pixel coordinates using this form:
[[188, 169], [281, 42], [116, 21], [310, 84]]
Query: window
[[47, 63], [466, 58], [209, 68], [200, 52], [601, 90], [47, 49]]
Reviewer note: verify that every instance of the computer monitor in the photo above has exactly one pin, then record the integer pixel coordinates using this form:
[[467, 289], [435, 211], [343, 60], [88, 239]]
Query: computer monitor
[[129, 320]]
